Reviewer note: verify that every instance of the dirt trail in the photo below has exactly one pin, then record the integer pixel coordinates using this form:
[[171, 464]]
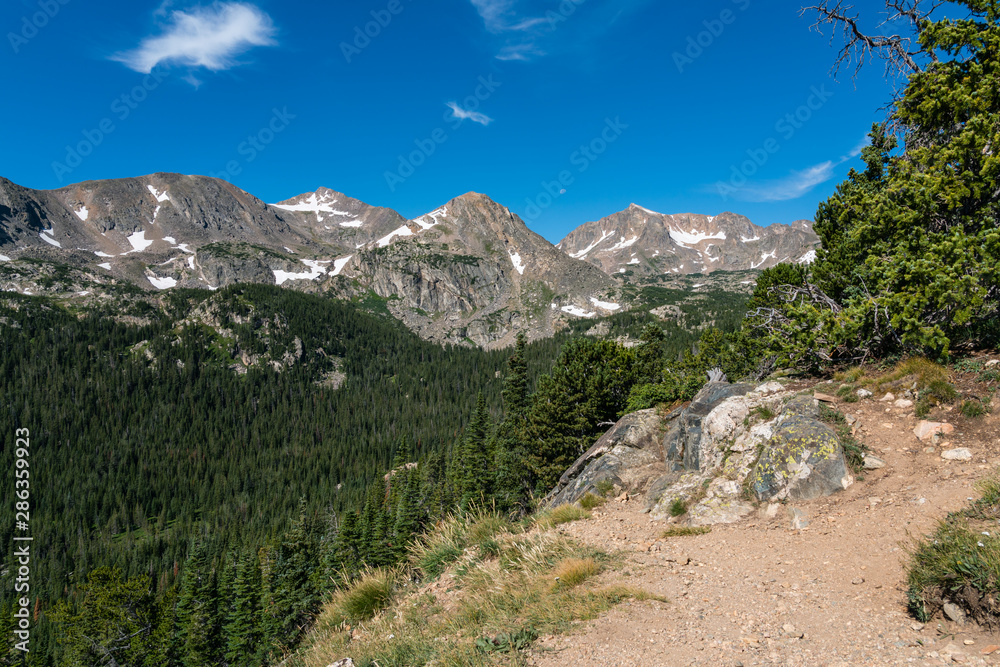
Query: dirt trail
[[759, 593]]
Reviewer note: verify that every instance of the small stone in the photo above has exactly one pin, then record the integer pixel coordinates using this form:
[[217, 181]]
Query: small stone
[[954, 613], [930, 450], [960, 454], [826, 398], [864, 393], [926, 430], [917, 627], [873, 501], [799, 519], [888, 398], [858, 581], [993, 362], [873, 463], [969, 642], [851, 420], [991, 649], [772, 510], [903, 403], [346, 662], [790, 631]]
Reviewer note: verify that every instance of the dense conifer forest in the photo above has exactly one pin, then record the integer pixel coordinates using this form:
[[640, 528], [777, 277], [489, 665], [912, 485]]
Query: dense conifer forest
[[205, 466]]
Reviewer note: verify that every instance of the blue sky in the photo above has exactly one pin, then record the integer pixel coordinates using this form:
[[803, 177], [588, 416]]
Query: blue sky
[[563, 111]]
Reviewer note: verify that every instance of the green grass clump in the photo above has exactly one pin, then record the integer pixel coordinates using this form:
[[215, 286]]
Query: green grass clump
[[686, 531], [678, 507], [763, 413], [560, 515], [605, 487], [590, 501], [372, 593], [574, 571], [973, 408], [960, 562], [438, 549], [854, 450]]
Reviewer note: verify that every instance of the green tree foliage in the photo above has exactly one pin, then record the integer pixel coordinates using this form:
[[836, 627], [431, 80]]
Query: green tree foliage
[[911, 244], [587, 390], [118, 621]]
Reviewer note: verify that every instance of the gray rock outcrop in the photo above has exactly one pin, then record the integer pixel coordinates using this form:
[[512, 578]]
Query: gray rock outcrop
[[733, 444]]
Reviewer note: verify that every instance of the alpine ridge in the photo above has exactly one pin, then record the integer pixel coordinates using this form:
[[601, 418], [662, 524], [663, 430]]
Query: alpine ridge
[[641, 242]]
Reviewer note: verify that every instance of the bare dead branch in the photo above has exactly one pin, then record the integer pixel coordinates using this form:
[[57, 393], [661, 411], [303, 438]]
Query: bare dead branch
[[901, 53]]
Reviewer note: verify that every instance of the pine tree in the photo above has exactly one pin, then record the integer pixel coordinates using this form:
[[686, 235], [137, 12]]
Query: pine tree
[[197, 612], [474, 471], [242, 622]]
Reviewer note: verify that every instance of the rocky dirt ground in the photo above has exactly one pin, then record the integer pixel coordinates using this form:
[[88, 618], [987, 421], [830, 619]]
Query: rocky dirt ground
[[761, 593]]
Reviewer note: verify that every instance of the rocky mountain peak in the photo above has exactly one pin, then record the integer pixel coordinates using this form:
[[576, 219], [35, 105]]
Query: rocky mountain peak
[[640, 241]]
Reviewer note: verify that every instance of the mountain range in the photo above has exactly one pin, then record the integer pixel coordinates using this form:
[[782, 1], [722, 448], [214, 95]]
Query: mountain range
[[469, 272]]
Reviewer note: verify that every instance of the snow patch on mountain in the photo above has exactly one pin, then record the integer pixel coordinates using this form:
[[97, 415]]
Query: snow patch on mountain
[[162, 283], [139, 241], [4, 258], [160, 196], [83, 213], [47, 237], [586, 251], [643, 208], [604, 305], [624, 243], [387, 239], [317, 205], [694, 237], [763, 258], [105, 265], [316, 271], [808, 258], [515, 259], [576, 311], [338, 265]]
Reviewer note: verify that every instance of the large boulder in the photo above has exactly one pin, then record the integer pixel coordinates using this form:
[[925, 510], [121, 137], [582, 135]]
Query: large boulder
[[803, 460], [616, 459], [683, 444]]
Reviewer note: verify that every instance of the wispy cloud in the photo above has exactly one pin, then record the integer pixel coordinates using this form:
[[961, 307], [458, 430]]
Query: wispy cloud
[[797, 183], [501, 18], [209, 37], [464, 114], [793, 186]]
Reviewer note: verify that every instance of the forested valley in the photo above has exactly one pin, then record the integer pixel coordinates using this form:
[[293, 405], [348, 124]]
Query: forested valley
[[205, 467]]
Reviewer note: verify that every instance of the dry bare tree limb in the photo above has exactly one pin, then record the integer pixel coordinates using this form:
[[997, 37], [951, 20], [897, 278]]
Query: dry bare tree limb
[[900, 52]]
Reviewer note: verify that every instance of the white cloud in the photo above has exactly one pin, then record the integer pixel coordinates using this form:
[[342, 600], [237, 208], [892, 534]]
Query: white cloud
[[798, 183], [522, 52], [864, 143], [474, 116], [209, 37], [499, 16], [793, 186]]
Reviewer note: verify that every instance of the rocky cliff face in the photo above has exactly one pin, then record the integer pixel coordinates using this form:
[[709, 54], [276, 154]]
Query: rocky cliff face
[[641, 242], [471, 271]]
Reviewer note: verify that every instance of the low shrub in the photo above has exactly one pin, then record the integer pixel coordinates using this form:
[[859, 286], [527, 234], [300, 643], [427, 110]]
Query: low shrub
[[960, 562], [686, 531]]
